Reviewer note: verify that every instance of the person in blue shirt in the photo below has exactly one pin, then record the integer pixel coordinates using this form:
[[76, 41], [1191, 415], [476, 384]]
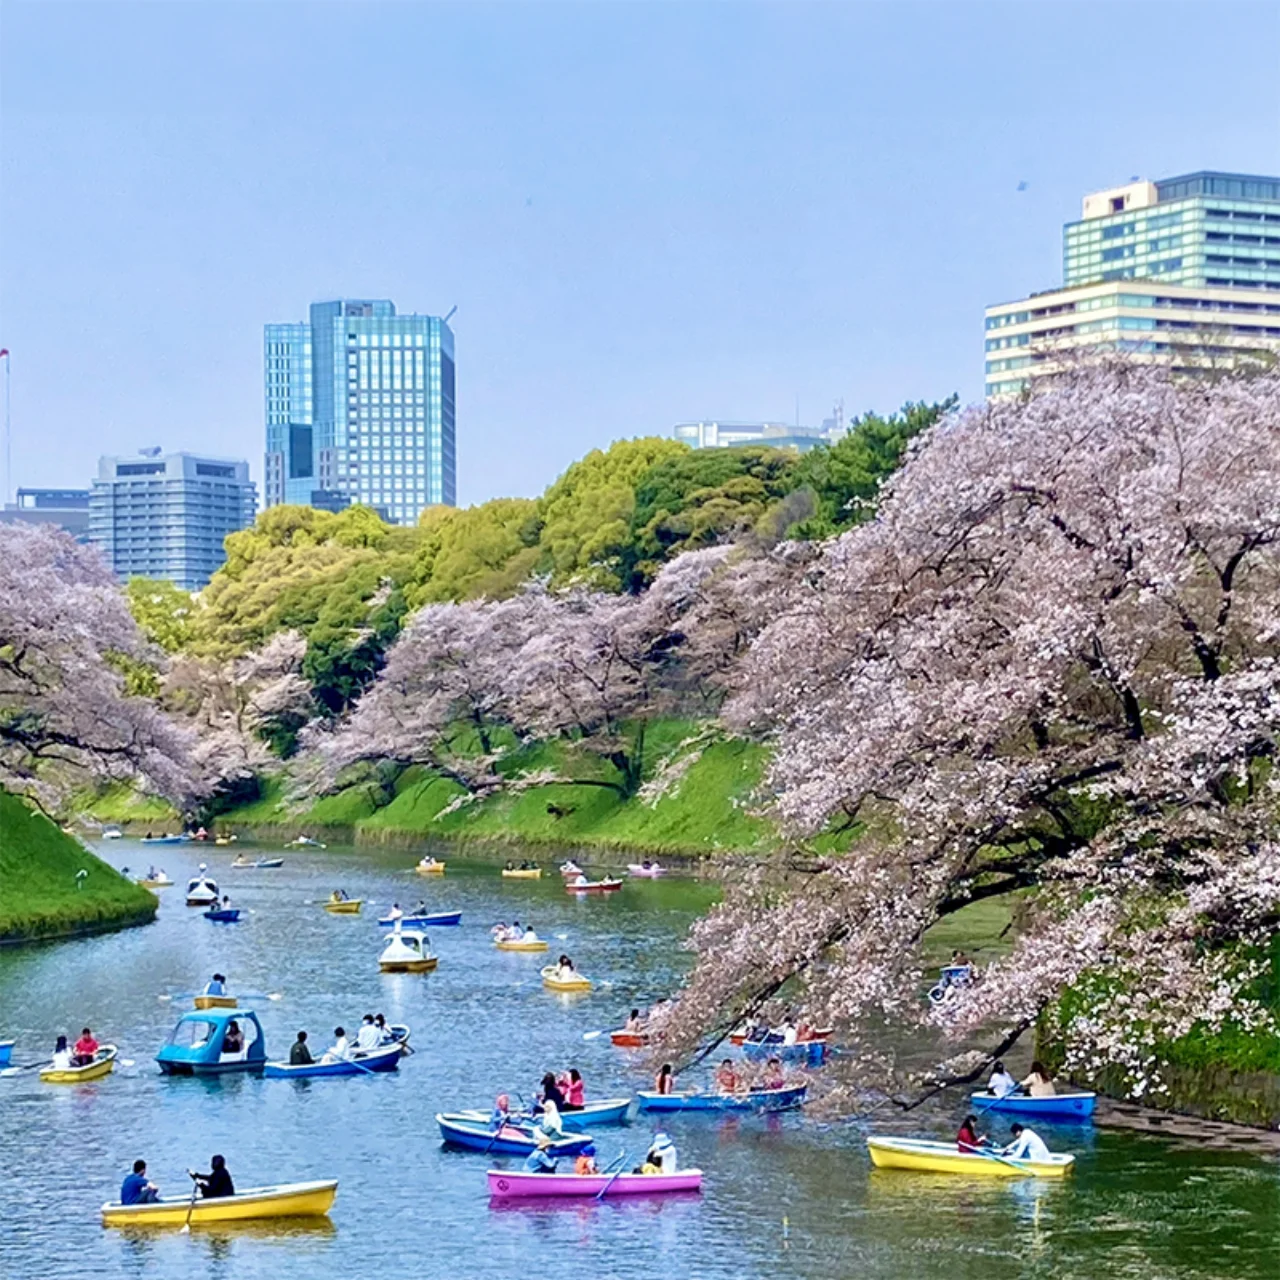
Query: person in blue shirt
[[540, 1160], [135, 1189], [216, 986]]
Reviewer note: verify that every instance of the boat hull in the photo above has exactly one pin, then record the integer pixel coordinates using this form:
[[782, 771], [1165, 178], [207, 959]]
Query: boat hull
[[504, 1185], [629, 1039], [164, 840], [813, 1053], [296, 1200], [408, 966], [522, 946], [1062, 1106], [553, 983], [376, 1060], [759, 1100], [943, 1157], [228, 916], [459, 1131], [156, 884], [436, 920], [215, 1002], [436, 869], [351, 907], [600, 886], [645, 873], [6, 1052], [522, 873], [102, 1065], [606, 1111]]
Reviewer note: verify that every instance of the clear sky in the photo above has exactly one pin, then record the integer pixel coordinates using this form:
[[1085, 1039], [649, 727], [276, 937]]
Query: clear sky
[[645, 213]]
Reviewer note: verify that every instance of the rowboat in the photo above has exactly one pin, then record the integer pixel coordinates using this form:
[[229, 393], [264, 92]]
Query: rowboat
[[215, 1002], [1061, 1106], [164, 839], [507, 1185], [6, 1052], [430, 867], [344, 906], [407, 951], [629, 1039], [241, 863], [777, 1038], [223, 915], [103, 1064], [593, 886], [434, 920], [605, 1111], [646, 870], [157, 882], [812, 1053], [112, 833], [511, 1140], [202, 890], [385, 1058], [268, 864], [756, 1100], [944, 1157], [522, 873], [570, 869], [553, 983], [306, 842], [221, 841], [197, 1045], [290, 1200], [519, 944]]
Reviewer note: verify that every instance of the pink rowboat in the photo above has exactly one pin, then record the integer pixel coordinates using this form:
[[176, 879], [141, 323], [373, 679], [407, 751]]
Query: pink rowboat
[[506, 1185]]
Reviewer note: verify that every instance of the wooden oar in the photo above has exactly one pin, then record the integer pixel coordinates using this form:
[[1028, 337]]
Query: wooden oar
[[1012, 1163], [195, 1187], [26, 1066], [621, 1162]]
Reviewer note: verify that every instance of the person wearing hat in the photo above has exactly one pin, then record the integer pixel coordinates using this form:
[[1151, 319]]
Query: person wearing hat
[[540, 1159], [661, 1156]]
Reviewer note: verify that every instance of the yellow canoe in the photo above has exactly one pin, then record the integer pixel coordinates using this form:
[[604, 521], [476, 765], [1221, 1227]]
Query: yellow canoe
[[348, 907], [552, 983], [293, 1200], [522, 873], [432, 869], [215, 1002], [521, 946], [944, 1157], [103, 1064], [156, 884]]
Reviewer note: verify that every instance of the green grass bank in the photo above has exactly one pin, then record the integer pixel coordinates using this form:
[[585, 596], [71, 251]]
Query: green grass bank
[[41, 892]]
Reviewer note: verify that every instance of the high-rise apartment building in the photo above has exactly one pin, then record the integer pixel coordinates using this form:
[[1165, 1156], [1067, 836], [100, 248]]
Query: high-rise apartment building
[[1183, 272], [166, 515], [360, 408]]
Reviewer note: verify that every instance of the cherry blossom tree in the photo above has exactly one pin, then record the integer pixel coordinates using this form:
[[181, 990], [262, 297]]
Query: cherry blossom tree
[[66, 636], [1050, 667]]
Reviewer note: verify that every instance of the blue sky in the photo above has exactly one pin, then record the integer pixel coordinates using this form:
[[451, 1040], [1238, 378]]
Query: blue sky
[[645, 213]]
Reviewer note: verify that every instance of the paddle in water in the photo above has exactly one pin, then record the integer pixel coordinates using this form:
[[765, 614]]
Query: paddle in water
[[621, 1162], [195, 1188]]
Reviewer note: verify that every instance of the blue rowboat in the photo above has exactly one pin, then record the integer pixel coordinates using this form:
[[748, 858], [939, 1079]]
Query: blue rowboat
[[387, 1058], [164, 840], [605, 1111], [6, 1052], [1061, 1106], [813, 1053], [513, 1140], [435, 920], [223, 915], [198, 1044], [756, 1100]]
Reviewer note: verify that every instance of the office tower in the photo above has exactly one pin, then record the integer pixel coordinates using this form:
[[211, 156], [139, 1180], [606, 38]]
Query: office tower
[[66, 508], [360, 409], [1183, 272], [166, 515], [777, 435]]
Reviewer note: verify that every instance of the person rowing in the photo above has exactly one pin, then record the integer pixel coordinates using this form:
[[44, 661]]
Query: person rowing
[[726, 1077], [86, 1049], [665, 1081], [634, 1024], [1026, 1145], [774, 1077], [565, 971], [540, 1159], [217, 1182]]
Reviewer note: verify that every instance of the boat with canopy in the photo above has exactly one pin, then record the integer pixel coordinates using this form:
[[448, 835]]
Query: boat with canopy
[[202, 889], [407, 951], [209, 1042]]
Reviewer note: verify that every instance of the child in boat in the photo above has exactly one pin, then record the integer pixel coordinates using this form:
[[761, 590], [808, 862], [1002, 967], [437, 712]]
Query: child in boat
[[661, 1156], [584, 1166], [86, 1049], [1002, 1084], [1026, 1145], [576, 1094], [968, 1139], [1039, 1084], [726, 1077], [665, 1081]]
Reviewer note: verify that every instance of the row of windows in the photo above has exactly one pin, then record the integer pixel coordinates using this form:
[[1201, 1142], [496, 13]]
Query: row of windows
[[1240, 261]]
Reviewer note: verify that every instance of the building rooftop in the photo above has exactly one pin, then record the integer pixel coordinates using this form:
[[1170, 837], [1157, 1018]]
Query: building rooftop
[[1209, 182]]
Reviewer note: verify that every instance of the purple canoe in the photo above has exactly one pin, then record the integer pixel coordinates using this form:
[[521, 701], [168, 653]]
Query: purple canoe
[[508, 1185]]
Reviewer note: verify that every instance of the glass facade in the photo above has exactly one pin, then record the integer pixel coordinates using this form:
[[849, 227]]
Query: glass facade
[[1203, 229], [377, 425]]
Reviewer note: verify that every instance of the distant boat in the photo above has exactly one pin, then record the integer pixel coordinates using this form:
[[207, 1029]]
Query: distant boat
[[306, 842], [223, 915], [202, 890], [112, 833], [164, 839]]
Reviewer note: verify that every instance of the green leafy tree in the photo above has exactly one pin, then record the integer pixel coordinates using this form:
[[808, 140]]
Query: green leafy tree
[[485, 551], [165, 613]]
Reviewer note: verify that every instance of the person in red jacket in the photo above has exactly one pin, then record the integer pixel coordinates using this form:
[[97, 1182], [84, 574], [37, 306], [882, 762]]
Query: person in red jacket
[[968, 1139], [86, 1049]]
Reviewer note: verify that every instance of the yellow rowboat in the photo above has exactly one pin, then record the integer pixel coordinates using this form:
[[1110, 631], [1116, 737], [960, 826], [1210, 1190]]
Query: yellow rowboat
[[215, 1002], [430, 868], [552, 983], [347, 907], [103, 1064], [944, 1157], [522, 873], [156, 884], [293, 1200], [409, 966], [503, 945]]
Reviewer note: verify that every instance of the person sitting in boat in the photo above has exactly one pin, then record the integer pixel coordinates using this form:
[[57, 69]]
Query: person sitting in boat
[[152, 873], [421, 909], [232, 1040], [515, 933], [367, 1037], [1027, 1144], [136, 1188], [86, 1049], [340, 1049], [500, 932], [726, 1077], [385, 1035], [788, 1033], [774, 1077], [580, 879], [540, 1159], [395, 913], [634, 1024], [565, 970], [217, 1182], [216, 986], [1039, 1084], [575, 1097], [226, 902], [585, 1166], [549, 1121], [63, 1060], [661, 1156], [665, 1081], [968, 1139], [1001, 1084], [299, 1054], [550, 1091], [339, 895], [501, 1113], [529, 935], [511, 866]]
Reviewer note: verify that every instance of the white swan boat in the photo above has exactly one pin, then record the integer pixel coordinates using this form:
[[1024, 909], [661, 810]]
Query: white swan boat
[[407, 951], [202, 889]]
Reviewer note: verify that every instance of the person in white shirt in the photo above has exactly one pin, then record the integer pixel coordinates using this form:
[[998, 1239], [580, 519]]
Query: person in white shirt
[[1026, 1145], [340, 1050], [62, 1056], [367, 1037], [395, 913], [1002, 1084], [663, 1153], [529, 934]]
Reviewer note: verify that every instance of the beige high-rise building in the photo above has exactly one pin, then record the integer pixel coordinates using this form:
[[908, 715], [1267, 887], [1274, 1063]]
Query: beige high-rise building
[[1184, 272]]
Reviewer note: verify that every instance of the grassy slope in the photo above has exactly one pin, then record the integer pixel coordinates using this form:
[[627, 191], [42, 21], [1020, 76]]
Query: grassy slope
[[38, 894], [122, 804]]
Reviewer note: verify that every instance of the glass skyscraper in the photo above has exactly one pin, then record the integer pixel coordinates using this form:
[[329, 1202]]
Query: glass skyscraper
[[360, 409]]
